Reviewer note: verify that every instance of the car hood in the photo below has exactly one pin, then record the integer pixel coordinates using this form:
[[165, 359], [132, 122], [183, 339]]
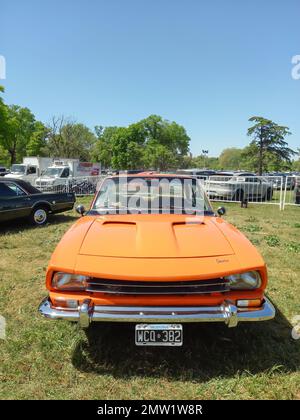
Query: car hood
[[14, 175], [153, 236], [154, 247], [46, 178]]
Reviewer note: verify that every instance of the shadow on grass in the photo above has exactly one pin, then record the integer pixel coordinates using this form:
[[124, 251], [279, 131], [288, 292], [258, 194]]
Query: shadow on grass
[[20, 225], [209, 351]]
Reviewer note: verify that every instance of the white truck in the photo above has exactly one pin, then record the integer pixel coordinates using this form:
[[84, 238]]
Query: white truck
[[30, 169], [63, 171]]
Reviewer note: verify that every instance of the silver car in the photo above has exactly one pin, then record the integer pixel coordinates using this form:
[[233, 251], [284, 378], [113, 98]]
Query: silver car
[[239, 186]]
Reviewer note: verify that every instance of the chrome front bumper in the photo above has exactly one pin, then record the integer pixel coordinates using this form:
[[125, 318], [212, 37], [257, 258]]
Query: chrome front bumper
[[227, 313]]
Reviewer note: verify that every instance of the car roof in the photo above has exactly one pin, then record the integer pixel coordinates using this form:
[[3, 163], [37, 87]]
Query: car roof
[[28, 187], [199, 171], [18, 181]]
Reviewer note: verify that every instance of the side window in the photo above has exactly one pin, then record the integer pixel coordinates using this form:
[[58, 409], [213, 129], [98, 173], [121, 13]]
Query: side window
[[252, 179], [10, 190], [241, 179], [15, 189], [5, 191], [31, 170], [65, 173]]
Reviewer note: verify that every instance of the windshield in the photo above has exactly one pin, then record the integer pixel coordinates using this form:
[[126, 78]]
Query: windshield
[[151, 195], [18, 169], [53, 172]]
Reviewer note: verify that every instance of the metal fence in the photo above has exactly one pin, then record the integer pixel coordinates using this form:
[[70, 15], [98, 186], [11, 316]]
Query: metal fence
[[291, 192], [81, 186], [252, 189], [276, 190]]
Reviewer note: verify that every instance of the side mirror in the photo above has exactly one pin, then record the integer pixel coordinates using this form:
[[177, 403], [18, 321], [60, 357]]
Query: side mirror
[[80, 209], [221, 211]]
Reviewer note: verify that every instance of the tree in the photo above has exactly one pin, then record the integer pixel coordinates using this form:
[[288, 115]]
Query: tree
[[3, 127], [69, 139], [138, 145], [126, 149], [38, 140], [20, 133], [296, 162], [230, 159], [268, 139], [158, 156], [102, 151], [4, 157], [173, 136], [202, 161], [19, 127]]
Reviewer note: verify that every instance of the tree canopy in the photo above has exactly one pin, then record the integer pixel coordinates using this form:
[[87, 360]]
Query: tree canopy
[[231, 159], [20, 129], [150, 143], [66, 138], [268, 142]]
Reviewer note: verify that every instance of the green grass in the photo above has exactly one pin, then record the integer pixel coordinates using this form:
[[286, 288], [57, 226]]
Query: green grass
[[55, 359]]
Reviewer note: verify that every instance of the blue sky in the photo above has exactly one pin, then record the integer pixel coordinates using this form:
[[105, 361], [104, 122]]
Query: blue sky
[[208, 65]]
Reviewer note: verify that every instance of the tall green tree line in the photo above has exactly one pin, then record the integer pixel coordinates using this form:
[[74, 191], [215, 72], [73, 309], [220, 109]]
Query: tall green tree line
[[152, 143]]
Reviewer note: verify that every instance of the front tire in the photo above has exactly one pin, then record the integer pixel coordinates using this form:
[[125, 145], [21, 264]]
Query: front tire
[[39, 216]]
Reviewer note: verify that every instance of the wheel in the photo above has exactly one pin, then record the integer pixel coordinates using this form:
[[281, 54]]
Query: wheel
[[39, 216], [238, 195]]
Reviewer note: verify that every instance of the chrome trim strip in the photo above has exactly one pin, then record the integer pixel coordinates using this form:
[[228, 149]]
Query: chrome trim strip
[[227, 313], [38, 202]]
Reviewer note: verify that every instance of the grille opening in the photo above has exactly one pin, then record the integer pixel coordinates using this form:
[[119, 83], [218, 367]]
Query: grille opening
[[126, 287]]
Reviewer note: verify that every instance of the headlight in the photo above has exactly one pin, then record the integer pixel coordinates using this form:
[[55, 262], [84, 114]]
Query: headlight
[[65, 281], [245, 281]]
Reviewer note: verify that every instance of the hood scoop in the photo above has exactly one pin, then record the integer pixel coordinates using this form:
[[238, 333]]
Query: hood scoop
[[189, 222], [154, 238], [117, 223]]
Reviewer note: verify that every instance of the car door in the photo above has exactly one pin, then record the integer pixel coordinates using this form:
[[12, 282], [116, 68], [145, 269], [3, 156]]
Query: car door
[[259, 188], [242, 187], [251, 186], [14, 202]]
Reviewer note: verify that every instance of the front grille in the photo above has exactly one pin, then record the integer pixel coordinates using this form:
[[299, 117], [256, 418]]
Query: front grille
[[125, 287]]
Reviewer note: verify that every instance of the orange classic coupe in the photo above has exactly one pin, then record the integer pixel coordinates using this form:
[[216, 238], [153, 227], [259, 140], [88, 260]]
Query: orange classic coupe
[[151, 251]]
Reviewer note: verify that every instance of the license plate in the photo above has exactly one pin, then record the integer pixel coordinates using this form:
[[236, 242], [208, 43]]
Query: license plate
[[158, 335]]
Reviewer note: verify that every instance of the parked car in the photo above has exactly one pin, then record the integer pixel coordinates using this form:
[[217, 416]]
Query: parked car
[[198, 173], [3, 171], [151, 251], [237, 186], [283, 179], [19, 199]]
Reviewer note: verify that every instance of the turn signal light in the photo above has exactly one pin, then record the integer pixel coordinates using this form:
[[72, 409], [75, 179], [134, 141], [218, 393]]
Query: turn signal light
[[65, 303], [250, 303]]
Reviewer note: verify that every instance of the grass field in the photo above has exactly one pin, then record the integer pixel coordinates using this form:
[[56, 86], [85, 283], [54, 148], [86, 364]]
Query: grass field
[[55, 359]]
